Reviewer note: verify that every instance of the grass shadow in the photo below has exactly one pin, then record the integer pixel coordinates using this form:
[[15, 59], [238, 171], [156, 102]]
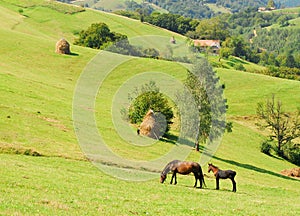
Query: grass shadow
[[256, 169]]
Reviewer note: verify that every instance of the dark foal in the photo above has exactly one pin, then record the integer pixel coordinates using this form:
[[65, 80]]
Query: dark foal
[[222, 174]]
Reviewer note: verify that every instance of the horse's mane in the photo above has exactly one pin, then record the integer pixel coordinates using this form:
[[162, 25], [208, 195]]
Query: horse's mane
[[213, 165], [169, 167]]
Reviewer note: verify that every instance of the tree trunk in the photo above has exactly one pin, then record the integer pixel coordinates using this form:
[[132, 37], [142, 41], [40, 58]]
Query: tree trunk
[[197, 147]]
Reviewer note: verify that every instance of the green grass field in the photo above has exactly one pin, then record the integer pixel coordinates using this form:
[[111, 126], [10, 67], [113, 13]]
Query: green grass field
[[37, 90]]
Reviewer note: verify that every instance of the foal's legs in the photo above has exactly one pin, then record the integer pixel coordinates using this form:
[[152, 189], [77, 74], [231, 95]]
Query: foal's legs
[[233, 185], [217, 183]]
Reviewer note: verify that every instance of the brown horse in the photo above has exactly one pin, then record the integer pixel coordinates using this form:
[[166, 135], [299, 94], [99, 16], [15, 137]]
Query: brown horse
[[222, 174], [184, 168]]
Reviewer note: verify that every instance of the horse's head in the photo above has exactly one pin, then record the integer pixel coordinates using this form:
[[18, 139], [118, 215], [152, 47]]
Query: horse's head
[[162, 178]]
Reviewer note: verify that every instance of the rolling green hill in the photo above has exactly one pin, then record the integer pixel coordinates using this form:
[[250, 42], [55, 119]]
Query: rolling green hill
[[37, 89]]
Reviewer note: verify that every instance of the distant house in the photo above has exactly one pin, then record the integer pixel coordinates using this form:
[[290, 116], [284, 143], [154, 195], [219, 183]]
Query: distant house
[[265, 9], [203, 45]]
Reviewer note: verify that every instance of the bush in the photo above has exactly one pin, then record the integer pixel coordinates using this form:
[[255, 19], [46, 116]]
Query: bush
[[98, 36], [149, 97], [239, 67], [292, 153], [266, 147]]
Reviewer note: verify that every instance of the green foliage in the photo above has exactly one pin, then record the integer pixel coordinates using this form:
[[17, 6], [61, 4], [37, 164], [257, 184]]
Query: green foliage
[[240, 67], [149, 97], [292, 153], [207, 93], [172, 22], [225, 52], [238, 47], [279, 42], [283, 127], [186, 8], [130, 14], [271, 4], [212, 29], [266, 147], [282, 72], [98, 36]]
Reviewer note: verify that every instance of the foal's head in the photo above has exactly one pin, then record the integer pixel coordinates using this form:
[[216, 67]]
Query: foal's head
[[211, 167], [162, 178]]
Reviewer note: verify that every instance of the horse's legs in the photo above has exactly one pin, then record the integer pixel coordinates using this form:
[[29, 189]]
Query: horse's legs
[[173, 176], [217, 183], [233, 185], [175, 179], [196, 179]]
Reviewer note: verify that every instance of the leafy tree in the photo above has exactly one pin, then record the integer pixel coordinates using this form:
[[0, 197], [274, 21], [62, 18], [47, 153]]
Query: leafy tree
[[290, 61], [271, 4], [237, 46], [212, 29], [97, 36], [173, 22], [207, 94], [283, 127], [149, 97], [225, 52]]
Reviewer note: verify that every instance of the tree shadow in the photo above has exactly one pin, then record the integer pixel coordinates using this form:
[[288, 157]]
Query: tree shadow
[[173, 139], [256, 169], [74, 54]]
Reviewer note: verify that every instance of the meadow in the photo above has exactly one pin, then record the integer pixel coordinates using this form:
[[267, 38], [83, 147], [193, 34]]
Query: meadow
[[37, 89]]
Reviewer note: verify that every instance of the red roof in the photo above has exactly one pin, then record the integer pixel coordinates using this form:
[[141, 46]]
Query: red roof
[[207, 43]]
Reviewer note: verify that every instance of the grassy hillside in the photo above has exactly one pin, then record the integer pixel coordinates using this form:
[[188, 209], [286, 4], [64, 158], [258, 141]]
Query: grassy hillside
[[37, 86], [42, 82]]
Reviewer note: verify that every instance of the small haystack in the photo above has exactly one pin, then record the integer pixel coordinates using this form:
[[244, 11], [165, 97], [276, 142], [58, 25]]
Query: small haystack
[[172, 40], [150, 127], [63, 47], [295, 172]]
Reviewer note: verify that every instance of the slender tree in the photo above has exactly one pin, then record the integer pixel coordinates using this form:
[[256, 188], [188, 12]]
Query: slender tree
[[208, 119]]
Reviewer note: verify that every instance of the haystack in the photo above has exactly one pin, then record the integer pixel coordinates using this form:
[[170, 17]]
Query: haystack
[[150, 127], [172, 40], [62, 47], [294, 172]]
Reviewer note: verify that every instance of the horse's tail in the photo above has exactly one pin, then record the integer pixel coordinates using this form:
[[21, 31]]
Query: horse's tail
[[202, 179]]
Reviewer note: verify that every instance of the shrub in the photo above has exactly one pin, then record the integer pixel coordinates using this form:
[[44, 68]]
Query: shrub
[[266, 147], [239, 67], [149, 97], [292, 153], [98, 36]]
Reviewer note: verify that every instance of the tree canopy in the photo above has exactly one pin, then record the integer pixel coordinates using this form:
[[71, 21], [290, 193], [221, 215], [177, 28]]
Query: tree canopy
[[98, 36]]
